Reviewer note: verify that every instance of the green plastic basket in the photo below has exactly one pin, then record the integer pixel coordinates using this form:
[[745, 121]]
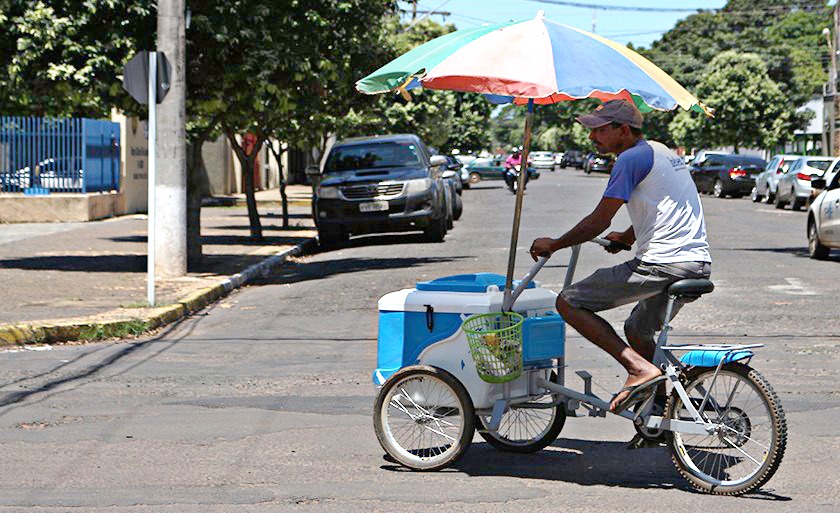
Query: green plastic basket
[[495, 341]]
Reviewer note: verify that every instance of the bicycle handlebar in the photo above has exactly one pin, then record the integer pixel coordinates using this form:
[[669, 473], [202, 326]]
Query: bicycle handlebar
[[611, 244]]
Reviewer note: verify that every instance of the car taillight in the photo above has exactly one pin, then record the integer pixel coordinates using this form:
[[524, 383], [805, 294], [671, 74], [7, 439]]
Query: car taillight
[[735, 172], [803, 176]]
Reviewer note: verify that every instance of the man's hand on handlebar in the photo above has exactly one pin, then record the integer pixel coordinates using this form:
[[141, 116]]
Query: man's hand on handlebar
[[621, 238], [541, 247]]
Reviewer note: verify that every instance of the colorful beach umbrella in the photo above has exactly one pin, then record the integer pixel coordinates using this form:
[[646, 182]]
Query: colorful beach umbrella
[[535, 59], [531, 62]]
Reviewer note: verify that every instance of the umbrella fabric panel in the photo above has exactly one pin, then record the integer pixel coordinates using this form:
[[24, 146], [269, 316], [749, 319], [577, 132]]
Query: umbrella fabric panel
[[423, 58], [607, 69], [511, 61]]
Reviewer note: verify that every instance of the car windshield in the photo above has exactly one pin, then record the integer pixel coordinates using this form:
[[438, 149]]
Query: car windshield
[[822, 165], [541, 154], [372, 156]]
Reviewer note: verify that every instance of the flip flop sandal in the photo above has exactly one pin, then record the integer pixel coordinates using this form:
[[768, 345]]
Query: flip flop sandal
[[636, 393]]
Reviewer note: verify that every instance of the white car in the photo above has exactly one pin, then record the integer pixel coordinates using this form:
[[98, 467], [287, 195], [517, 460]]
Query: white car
[[542, 160], [824, 218]]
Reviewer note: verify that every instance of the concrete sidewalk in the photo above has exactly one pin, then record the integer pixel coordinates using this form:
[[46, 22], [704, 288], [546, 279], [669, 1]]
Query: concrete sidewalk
[[88, 280]]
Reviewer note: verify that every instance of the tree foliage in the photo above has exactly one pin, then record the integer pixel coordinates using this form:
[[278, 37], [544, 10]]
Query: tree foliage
[[65, 57], [750, 109]]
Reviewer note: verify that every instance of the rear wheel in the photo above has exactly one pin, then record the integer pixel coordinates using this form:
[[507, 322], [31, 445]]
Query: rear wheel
[[778, 202], [815, 248], [525, 429], [768, 198], [424, 418], [795, 203], [747, 446], [458, 208]]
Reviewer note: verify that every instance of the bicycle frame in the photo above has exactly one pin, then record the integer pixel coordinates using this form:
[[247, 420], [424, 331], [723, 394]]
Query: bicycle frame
[[663, 358]]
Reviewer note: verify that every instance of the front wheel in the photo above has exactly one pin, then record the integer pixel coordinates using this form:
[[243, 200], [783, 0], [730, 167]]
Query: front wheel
[[424, 418], [526, 428], [754, 195], [718, 189], [436, 230], [748, 444]]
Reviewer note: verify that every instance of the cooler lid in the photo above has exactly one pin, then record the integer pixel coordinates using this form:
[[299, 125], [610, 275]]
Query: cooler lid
[[477, 282]]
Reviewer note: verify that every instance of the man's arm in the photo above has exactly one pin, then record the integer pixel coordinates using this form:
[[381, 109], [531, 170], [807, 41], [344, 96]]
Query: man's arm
[[590, 226]]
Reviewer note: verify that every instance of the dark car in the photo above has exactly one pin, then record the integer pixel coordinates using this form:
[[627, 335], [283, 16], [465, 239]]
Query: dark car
[[493, 169], [573, 158], [727, 175], [388, 183], [598, 162]]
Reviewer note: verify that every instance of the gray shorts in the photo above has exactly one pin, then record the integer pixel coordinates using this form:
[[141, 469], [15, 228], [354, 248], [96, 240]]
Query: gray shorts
[[635, 281]]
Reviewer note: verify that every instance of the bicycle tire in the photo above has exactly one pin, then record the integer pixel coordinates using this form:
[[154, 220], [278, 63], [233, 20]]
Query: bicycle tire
[[514, 421], [435, 410], [681, 452]]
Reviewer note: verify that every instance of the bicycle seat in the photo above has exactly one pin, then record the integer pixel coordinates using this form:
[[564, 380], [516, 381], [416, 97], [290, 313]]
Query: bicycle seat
[[691, 288]]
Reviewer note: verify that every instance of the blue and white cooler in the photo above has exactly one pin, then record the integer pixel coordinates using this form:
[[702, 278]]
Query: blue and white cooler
[[423, 326]]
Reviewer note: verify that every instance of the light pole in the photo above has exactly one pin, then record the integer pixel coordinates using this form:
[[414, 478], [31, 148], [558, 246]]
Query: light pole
[[828, 106]]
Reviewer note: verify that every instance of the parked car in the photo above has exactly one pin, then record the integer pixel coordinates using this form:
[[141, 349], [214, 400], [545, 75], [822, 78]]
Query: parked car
[[542, 160], [824, 218], [766, 181], [702, 155], [598, 162], [493, 169], [381, 184], [794, 187], [453, 164], [573, 158], [832, 170], [727, 175], [465, 161]]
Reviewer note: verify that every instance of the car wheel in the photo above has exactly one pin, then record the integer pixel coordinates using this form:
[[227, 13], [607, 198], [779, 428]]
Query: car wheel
[[474, 177], [778, 202], [717, 190], [436, 231], [458, 208], [815, 249], [754, 195], [332, 237], [768, 197], [795, 203]]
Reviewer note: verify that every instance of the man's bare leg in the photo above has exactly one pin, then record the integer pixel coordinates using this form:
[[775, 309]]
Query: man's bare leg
[[599, 332]]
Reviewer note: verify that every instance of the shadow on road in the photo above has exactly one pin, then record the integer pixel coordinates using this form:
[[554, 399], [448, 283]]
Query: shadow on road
[[582, 462], [797, 251], [305, 271]]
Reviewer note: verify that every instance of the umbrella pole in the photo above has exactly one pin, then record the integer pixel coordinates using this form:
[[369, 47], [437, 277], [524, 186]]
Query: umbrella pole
[[517, 213]]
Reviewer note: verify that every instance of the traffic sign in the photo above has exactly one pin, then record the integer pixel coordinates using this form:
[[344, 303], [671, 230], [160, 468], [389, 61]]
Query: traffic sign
[[136, 77]]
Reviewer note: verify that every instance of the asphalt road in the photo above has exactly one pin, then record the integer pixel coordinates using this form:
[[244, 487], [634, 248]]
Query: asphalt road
[[263, 402]]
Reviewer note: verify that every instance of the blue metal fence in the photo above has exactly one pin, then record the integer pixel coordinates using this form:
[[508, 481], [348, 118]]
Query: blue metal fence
[[43, 155]]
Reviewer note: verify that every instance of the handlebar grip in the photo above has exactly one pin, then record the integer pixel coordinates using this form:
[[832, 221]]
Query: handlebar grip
[[611, 244], [619, 246]]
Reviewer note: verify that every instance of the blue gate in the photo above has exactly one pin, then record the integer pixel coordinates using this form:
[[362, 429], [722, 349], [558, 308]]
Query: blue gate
[[43, 155]]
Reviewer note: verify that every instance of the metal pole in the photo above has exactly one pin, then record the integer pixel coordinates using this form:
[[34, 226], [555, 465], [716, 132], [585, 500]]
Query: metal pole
[[151, 179], [517, 213]]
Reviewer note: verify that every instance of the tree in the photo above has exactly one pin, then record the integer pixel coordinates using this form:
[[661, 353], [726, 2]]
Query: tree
[[64, 57], [750, 108], [785, 34]]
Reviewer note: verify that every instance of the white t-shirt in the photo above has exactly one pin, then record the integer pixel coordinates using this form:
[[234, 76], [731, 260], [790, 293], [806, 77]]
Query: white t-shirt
[[663, 204]]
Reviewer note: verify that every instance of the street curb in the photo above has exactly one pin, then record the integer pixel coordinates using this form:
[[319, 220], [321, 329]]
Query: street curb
[[23, 334]]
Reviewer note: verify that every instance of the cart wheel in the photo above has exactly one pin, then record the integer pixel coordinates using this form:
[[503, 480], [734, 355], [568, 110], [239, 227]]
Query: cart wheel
[[424, 418], [749, 443], [524, 429]]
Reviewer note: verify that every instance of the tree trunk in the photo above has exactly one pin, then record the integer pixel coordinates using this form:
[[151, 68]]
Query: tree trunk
[[283, 199], [247, 162], [197, 188]]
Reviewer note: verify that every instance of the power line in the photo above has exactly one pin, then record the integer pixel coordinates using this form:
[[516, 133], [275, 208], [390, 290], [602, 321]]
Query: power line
[[602, 7]]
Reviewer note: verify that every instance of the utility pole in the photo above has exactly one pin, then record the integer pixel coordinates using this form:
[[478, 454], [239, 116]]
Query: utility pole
[[171, 199]]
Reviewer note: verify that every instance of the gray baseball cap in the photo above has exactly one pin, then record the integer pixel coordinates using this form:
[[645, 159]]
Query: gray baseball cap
[[618, 111]]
